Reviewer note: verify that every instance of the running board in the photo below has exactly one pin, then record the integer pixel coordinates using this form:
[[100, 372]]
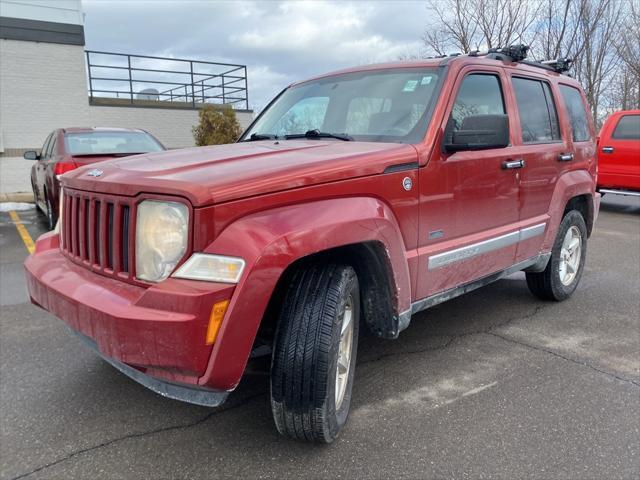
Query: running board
[[620, 192], [535, 264]]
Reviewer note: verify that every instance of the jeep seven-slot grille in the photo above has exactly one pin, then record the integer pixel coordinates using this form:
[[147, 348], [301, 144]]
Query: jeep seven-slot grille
[[96, 232]]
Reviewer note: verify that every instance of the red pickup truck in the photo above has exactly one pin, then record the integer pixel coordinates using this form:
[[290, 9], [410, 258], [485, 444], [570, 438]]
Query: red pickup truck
[[619, 154], [355, 200]]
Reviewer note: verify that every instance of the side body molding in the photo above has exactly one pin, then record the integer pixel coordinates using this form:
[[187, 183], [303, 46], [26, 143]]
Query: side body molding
[[272, 240]]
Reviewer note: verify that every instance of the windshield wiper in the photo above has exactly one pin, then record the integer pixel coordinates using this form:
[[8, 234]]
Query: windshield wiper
[[260, 136], [318, 134]]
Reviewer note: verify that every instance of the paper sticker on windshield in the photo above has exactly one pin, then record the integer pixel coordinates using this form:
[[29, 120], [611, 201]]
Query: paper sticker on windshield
[[426, 80], [410, 86]]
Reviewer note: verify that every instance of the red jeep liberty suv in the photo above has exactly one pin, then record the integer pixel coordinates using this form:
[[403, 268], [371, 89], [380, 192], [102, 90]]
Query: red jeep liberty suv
[[355, 200]]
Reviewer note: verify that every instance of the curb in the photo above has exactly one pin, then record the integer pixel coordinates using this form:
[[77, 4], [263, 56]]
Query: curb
[[18, 197]]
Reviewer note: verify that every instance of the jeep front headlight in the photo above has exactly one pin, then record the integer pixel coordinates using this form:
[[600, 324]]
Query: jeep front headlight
[[161, 238]]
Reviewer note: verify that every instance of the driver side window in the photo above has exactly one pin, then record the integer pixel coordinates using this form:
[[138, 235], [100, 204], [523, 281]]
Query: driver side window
[[479, 94]]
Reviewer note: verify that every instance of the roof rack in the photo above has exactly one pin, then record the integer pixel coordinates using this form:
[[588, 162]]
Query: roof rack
[[560, 65], [518, 53]]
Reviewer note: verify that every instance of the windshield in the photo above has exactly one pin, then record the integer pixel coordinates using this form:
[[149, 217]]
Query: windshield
[[105, 143], [391, 105]]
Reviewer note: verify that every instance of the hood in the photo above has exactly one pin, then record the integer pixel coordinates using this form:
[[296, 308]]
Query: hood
[[209, 175]]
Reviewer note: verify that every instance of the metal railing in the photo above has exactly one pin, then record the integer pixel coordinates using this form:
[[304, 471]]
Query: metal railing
[[159, 81]]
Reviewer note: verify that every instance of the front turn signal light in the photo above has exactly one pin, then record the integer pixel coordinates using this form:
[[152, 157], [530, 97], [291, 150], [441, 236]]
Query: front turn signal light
[[215, 320]]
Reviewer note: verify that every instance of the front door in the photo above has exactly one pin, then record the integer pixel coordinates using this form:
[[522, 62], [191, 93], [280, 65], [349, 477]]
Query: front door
[[469, 199]]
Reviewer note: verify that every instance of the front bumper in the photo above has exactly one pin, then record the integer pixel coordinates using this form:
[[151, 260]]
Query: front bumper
[[185, 393], [154, 335]]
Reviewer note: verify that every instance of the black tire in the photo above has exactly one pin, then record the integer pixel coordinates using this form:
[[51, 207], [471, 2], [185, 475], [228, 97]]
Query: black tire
[[51, 216], [305, 353], [548, 285], [35, 197]]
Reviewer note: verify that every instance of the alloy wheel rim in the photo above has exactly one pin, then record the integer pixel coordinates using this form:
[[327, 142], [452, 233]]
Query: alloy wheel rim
[[570, 255], [344, 352]]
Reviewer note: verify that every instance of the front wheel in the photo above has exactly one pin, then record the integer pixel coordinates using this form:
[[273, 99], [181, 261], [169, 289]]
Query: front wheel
[[314, 353], [51, 216], [564, 270]]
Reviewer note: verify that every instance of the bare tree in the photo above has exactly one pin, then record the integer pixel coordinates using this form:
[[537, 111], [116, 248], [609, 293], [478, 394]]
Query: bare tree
[[628, 45], [453, 28], [598, 62], [624, 93], [555, 32], [466, 25], [505, 22], [599, 35]]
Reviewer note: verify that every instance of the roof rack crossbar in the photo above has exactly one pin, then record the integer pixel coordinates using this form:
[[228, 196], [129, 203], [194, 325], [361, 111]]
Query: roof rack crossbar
[[518, 53]]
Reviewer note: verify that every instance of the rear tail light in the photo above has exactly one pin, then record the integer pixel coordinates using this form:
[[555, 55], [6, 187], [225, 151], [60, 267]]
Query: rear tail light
[[64, 167]]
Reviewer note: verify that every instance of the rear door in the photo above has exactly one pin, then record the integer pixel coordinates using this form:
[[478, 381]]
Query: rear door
[[581, 128], [469, 200], [620, 153], [546, 153]]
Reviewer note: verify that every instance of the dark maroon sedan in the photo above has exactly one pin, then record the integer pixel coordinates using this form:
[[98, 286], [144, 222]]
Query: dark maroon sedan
[[69, 148]]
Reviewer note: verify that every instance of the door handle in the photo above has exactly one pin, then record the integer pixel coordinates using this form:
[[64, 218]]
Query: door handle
[[565, 157], [607, 149], [511, 164]]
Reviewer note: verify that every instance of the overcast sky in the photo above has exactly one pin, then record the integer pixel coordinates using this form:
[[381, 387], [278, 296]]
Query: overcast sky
[[280, 42]]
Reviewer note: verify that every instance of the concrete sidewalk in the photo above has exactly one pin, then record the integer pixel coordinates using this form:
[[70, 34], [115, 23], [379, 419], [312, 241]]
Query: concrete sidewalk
[[15, 183]]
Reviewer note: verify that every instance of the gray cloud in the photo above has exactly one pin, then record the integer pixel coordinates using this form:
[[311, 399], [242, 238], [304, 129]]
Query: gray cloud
[[280, 42]]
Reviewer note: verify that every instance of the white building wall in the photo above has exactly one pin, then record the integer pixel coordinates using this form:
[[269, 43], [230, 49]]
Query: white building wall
[[60, 11], [43, 86]]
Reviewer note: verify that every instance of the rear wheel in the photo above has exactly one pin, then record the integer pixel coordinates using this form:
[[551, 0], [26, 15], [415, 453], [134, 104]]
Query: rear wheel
[[35, 196], [564, 270], [314, 353]]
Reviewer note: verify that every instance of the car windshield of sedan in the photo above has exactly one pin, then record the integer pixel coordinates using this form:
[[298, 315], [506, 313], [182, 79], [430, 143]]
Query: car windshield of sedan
[[110, 143], [392, 105]]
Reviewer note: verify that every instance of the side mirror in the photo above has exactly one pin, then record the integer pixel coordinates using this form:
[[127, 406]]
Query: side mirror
[[31, 155], [479, 132]]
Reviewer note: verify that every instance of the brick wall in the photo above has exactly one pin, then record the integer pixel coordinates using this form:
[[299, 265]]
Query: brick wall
[[43, 86]]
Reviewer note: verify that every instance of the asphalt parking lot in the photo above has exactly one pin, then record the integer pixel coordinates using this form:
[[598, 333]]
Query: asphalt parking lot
[[495, 384]]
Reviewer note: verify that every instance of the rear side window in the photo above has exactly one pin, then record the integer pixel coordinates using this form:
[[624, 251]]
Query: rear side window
[[628, 128], [577, 113], [538, 117], [479, 94]]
